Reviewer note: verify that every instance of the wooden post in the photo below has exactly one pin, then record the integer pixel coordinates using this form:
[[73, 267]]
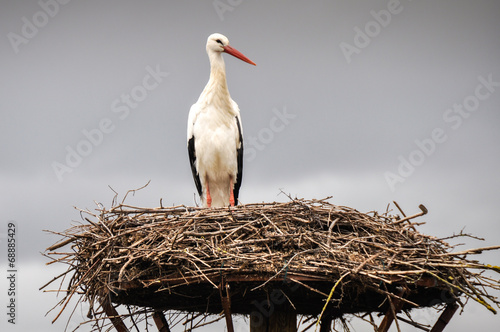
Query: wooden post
[[161, 322], [394, 307], [445, 317], [226, 303], [279, 318], [258, 322], [325, 323], [284, 319], [112, 314]]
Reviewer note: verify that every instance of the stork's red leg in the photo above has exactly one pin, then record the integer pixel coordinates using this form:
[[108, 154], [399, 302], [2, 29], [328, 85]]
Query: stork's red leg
[[231, 195], [209, 198]]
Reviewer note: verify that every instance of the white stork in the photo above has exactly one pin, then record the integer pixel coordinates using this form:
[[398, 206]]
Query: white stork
[[215, 137]]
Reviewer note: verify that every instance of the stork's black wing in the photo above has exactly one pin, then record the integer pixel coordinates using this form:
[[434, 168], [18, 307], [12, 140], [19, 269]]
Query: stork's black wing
[[239, 175], [192, 160]]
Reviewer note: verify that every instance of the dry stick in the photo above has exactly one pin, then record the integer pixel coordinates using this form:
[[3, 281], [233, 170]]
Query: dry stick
[[482, 302], [198, 325], [422, 327], [330, 228], [400, 210], [423, 212], [479, 297], [471, 251], [201, 272], [308, 326], [329, 298], [272, 223], [308, 287], [397, 297], [61, 244], [73, 291], [63, 259], [134, 190], [55, 278], [391, 313], [281, 270], [289, 301], [366, 262], [122, 270], [238, 228], [73, 312]]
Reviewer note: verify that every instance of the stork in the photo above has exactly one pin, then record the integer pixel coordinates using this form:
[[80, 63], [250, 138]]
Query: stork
[[215, 136]]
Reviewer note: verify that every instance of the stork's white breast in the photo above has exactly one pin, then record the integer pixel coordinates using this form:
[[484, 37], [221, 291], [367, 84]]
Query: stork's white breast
[[216, 141]]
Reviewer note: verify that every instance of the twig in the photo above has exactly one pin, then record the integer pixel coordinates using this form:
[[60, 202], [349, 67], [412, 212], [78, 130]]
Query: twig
[[329, 298]]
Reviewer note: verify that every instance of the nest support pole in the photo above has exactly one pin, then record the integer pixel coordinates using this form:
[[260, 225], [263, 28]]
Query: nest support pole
[[276, 318], [114, 317], [112, 314], [279, 321], [161, 322], [445, 317], [394, 307], [226, 303], [326, 323]]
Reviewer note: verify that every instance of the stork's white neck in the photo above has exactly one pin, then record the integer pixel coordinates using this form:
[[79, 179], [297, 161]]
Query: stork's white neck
[[216, 91]]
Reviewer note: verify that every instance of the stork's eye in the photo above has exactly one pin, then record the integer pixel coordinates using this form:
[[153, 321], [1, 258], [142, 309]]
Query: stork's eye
[[220, 42]]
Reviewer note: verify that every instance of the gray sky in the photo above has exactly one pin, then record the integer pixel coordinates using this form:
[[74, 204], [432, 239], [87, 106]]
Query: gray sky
[[366, 101]]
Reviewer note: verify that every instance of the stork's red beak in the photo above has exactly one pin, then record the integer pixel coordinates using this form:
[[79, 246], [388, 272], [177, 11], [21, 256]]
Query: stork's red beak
[[234, 52]]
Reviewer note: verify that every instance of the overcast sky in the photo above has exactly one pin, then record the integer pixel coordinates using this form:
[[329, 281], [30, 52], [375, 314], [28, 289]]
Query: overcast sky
[[365, 101]]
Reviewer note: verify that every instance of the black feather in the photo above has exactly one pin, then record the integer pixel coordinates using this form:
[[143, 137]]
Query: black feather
[[192, 160], [239, 175]]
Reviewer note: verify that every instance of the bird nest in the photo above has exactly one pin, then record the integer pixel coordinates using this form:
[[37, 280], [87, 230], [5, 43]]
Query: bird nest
[[318, 258]]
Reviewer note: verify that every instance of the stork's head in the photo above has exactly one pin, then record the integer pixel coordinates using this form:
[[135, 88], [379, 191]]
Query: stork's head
[[217, 43]]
